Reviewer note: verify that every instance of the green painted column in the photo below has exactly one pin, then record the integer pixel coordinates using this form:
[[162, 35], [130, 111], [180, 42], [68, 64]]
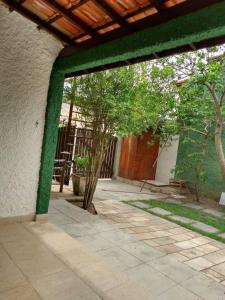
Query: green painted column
[[52, 115]]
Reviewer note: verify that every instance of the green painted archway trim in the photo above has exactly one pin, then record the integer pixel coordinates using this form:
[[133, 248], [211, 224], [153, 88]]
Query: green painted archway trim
[[204, 24]]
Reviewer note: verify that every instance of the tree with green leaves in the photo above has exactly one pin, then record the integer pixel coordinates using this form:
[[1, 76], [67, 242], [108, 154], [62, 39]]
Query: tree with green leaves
[[121, 101], [182, 95]]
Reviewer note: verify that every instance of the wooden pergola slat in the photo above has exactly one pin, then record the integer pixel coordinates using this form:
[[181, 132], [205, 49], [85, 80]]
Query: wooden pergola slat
[[111, 12], [153, 20], [70, 17], [13, 5]]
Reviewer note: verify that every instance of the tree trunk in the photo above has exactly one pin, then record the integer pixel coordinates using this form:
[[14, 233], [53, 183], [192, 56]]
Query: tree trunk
[[94, 172], [199, 167], [218, 141]]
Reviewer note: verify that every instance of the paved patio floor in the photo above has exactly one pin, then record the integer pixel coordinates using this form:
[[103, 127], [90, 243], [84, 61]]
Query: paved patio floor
[[121, 253], [160, 258]]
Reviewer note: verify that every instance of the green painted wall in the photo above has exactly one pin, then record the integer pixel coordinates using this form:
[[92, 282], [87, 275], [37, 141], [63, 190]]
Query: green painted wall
[[194, 27], [214, 184]]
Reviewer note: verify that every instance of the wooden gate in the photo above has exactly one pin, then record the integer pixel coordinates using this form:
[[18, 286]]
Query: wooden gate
[[77, 142]]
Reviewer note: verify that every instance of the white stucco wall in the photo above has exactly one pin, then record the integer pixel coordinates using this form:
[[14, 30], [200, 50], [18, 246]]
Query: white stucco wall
[[167, 160], [117, 158], [26, 58]]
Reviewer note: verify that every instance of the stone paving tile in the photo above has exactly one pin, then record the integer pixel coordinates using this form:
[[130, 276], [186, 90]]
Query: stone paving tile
[[150, 243], [95, 242], [10, 275], [57, 218], [179, 230], [172, 268], [201, 240], [217, 244], [161, 233], [163, 240], [199, 263], [119, 259], [192, 253], [205, 227], [178, 256], [141, 229], [143, 235], [173, 201], [222, 235], [192, 205], [181, 237], [186, 244], [214, 212], [181, 219], [140, 204], [128, 291], [215, 257], [205, 287], [169, 248], [207, 248], [178, 293], [214, 275], [25, 292], [64, 285], [142, 251], [220, 268], [159, 211], [150, 279]]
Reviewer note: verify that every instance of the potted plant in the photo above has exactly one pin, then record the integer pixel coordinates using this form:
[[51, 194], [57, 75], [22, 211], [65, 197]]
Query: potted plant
[[79, 178]]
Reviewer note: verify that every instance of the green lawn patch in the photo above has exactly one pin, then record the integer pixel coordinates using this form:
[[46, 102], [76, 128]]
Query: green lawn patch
[[191, 213]]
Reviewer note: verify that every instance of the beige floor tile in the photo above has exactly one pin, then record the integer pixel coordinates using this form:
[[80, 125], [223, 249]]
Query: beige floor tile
[[26, 249], [169, 248], [178, 230], [181, 237], [214, 275], [161, 233], [140, 229], [186, 244], [178, 256], [220, 268], [177, 293], [10, 275], [164, 241], [215, 257], [143, 236], [201, 240], [129, 291], [199, 263], [171, 267], [207, 248], [25, 292], [41, 266], [118, 259], [64, 286], [192, 253], [13, 232], [150, 243], [205, 287], [150, 279]]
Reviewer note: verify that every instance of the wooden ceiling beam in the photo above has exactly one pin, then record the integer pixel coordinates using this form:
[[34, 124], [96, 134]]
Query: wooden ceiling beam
[[70, 17], [13, 5], [111, 12]]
